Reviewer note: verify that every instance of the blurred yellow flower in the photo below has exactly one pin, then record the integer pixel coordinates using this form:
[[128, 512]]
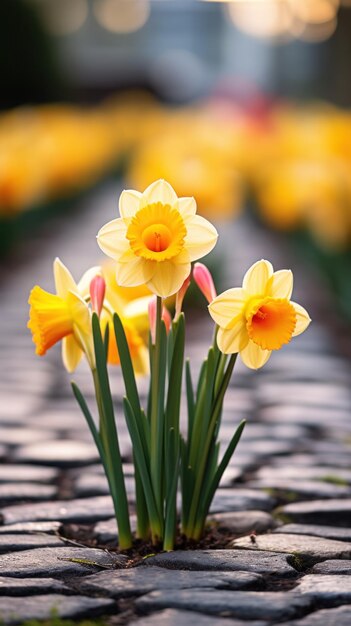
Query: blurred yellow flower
[[258, 317], [156, 238], [62, 316]]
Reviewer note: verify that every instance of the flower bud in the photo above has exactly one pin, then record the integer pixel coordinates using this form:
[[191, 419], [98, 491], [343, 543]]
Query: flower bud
[[97, 293], [180, 296], [166, 317], [204, 281]]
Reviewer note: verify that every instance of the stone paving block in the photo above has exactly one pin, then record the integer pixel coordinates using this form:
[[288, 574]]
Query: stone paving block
[[241, 500], [328, 532], [243, 522], [17, 492], [11, 543], [174, 617], [137, 581], [300, 545], [297, 489], [326, 589], [31, 527], [43, 607], [3, 452], [334, 512], [84, 510], [261, 562], [48, 562], [106, 531], [17, 473], [10, 586], [61, 453], [326, 617], [339, 566], [247, 605], [20, 435], [291, 470]]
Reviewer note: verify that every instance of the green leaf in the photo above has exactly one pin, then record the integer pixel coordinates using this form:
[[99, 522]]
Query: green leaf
[[90, 420], [190, 399], [126, 365]]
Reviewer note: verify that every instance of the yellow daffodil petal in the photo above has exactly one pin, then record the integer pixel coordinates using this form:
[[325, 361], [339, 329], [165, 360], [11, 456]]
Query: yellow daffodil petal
[[186, 207], [112, 238], [227, 306], [256, 278], [84, 283], [160, 191], [232, 340], [281, 284], [79, 311], [201, 237], [168, 278], [270, 322], [71, 353], [129, 202], [302, 319], [64, 281], [50, 319], [137, 311], [253, 356], [134, 271]]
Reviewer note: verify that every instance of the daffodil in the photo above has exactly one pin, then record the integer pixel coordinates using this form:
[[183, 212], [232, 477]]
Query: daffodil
[[156, 238], [62, 316], [258, 317]]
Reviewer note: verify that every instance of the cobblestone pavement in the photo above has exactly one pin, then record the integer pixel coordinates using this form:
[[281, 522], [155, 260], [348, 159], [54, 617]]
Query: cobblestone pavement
[[289, 482]]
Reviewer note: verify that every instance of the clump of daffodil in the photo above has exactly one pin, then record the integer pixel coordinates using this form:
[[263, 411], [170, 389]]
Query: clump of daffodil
[[62, 316], [258, 317], [156, 238]]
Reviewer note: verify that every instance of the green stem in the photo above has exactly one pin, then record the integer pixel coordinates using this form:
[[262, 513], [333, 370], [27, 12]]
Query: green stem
[[156, 440], [113, 468]]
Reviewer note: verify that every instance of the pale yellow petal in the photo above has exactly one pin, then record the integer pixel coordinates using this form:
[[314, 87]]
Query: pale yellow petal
[[112, 238], [134, 272], [64, 281], [71, 353], [256, 277], [227, 306], [168, 278], [302, 319], [84, 283], [141, 361], [129, 202], [187, 207], [253, 356], [159, 191], [201, 237], [80, 312], [234, 339], [281, 284]]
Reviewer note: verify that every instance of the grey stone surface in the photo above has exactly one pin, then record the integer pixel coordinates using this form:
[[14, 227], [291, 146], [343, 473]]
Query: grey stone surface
[[48, 562], [17, 473], [340, 566], [248, 605], [62, 453], [174, 617], [20, 435], [12, 492], [329, 532], [263, 562], [80, 510], [43, 607], [138, 581], [243, 522], [297, 489], [10, 586], [302, 545], [3, 452], [31, 527], [106, 531], [10, 543], [241, 500], [292, 470], [326, 589], [332, 512], [340, 616]]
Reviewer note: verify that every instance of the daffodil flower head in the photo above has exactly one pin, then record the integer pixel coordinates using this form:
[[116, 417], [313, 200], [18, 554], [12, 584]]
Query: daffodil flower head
[[62, 316], [156, 238], [258, 317]]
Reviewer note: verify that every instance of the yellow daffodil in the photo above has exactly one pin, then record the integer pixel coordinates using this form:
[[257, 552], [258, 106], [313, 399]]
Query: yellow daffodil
[[62, 316], [156, 238], [259, 316]]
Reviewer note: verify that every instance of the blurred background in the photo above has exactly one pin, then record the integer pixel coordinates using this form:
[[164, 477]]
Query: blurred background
[[243, 104]]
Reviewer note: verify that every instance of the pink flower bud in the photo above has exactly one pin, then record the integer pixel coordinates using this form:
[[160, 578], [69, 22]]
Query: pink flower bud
[[204, 281], [97, 293], [180, 296], [166, 317]]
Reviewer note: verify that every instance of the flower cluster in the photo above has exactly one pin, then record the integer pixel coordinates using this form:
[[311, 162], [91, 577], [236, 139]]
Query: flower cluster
[[108, 315]]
